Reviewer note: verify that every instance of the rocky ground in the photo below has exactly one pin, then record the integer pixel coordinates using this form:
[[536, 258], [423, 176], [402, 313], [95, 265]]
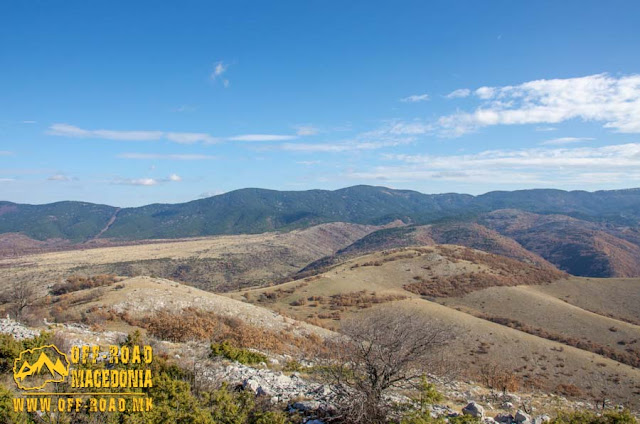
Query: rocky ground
[[314, 399]]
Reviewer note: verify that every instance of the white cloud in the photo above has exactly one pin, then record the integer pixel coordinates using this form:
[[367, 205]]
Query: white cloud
[[190, 138], [550, 166], [159, 156], [137, 181], [219, 68], [615, 102], [7, 180], [565, 140], [148, 182], [343, 146], [5, 153], [545, 129], [415, 98], [459, 93], [29, 122], [308, 162], [305, 130], [67, 130], [262, 137], [59, 177], [620, 155]]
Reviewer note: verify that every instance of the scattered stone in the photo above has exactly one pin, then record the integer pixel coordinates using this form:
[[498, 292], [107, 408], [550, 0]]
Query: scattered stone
[[504, 418], [473, 409], [17, 330], [522, 418]]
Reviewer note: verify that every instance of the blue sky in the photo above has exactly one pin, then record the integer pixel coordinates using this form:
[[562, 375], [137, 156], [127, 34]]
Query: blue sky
[[129, 103]]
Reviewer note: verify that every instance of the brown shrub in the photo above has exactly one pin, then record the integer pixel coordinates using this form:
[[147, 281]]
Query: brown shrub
[[196, 324], [77, 283], [568, 390], [496, 377]]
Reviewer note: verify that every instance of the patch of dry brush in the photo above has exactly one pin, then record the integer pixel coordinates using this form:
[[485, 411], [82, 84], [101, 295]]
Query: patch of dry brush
[[502, 272]]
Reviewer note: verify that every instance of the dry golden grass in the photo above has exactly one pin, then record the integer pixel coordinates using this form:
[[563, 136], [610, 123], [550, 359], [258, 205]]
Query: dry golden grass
[[221, 262], [533, 361]]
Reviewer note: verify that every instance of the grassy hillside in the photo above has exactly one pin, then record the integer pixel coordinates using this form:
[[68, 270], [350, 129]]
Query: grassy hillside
[[567, 355], [212, 263], [467, 234]]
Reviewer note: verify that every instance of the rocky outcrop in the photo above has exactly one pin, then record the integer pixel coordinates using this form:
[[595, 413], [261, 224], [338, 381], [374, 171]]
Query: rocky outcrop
[[17, 330]]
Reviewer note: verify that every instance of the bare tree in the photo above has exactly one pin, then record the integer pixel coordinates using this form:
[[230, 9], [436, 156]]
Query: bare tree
[[384, 348], [21, 296]]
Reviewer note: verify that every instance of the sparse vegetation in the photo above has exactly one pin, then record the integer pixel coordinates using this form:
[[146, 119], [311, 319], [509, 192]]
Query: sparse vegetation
[[386, 348], [196, 324], [77, 282], [587, 417], [244, 356]]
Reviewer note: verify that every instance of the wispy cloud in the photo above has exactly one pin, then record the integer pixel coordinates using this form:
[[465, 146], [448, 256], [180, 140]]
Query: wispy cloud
[[148, 182], [415, 98], [345, 146], [219, 68], [565, 140], [306, 130], [191, 138], [261, 137], [159, 156], [66, 130], [29, 122], [459, 93], [59, 177], [5, 153], [538, 165], [613, 101]]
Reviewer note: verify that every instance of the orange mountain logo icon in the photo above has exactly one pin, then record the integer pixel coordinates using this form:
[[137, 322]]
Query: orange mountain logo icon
[[36, 367]]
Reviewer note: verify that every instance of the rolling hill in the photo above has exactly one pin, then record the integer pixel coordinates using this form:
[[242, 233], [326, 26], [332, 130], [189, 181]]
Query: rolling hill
[[587, 234], [532, 322]]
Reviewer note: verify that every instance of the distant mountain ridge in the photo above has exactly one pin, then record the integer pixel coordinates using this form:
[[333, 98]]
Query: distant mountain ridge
[[254, 210], [584, 233]]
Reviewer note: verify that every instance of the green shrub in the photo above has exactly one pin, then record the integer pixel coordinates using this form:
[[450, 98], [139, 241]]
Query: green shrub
[[464, 419], [270, 417], [7, 414], [421, 418], [294, 366], [427, 394], [10, 348], [585, 417], [244, 356]]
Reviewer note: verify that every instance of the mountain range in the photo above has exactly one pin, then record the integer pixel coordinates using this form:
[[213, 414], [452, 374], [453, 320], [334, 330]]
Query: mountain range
[[583, 233]]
